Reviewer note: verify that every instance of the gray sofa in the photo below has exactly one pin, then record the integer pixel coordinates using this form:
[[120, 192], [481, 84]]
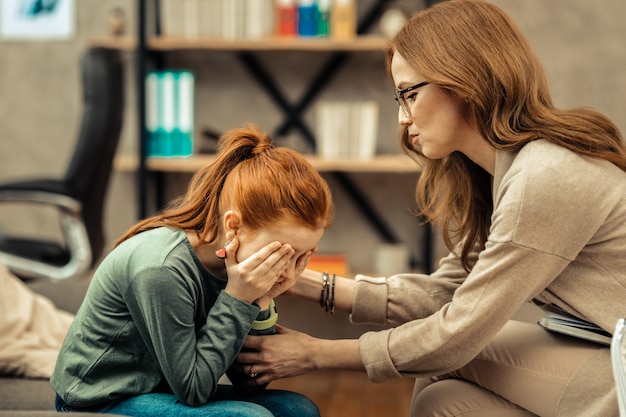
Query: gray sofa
[[35, 397]]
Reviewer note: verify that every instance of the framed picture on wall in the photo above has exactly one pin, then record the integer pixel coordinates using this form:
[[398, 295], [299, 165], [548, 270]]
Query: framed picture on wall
[[36, 19]]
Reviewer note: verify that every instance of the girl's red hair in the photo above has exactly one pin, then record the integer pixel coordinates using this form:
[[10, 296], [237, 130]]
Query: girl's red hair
[[265, 183]]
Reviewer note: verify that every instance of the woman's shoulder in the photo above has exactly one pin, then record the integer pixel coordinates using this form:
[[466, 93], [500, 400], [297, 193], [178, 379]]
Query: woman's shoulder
[[545, 177], [548, 164], [548, 196]]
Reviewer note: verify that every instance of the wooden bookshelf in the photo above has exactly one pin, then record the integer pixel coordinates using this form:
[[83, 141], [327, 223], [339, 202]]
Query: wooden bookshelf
[[245, 51], [163, 43], [382, 163]]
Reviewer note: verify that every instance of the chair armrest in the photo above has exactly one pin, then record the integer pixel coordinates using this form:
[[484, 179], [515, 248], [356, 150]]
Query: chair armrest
[[41, 197], [73, 229]]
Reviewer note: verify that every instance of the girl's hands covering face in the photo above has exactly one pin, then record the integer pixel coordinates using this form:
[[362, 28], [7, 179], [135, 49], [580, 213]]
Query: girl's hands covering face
[[288, 280], [279, 252], [254, 278]]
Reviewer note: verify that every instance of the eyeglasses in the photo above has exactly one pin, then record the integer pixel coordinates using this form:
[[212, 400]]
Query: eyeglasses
[[403, 101]]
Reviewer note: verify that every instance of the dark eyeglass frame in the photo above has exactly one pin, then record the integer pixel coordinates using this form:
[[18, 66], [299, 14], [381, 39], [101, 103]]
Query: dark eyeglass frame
[[399, 96]]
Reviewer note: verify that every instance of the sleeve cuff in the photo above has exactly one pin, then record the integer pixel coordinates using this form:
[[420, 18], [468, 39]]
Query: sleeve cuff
[[249, 311], [269, 321], [370, 301], [374, 350]]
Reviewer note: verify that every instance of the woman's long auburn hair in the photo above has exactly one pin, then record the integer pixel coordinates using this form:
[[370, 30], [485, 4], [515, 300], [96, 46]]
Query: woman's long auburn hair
[[472, 49], [264, 182]]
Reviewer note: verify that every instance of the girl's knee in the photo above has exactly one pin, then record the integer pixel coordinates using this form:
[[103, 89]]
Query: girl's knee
[[291, 404], [244, 409]]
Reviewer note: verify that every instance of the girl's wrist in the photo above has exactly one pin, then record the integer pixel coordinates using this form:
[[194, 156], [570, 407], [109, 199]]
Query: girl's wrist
[[268, 319], [263, 302]]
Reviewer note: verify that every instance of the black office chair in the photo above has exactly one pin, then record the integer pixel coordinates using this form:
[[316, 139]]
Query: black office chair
[[79, 196]]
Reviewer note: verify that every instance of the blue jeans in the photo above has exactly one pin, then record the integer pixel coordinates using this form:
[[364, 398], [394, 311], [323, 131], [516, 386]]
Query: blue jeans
[[270, 403]]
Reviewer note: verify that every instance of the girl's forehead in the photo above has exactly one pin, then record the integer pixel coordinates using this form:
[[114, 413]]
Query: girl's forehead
[[301, 238]]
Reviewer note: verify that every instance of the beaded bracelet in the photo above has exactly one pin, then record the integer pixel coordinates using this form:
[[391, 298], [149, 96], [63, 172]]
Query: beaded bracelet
[[325, 277], [332, 298], [327, 296]]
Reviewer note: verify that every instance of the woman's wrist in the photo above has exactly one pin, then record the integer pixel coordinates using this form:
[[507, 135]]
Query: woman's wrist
[[308, 285], [311, 284], [342, 354]]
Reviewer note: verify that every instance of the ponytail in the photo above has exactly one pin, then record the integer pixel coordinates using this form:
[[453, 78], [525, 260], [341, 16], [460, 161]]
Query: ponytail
[[264, 182]]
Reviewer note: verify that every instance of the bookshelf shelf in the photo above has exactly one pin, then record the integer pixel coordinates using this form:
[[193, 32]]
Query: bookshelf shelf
[[382, 163], [163, 43]]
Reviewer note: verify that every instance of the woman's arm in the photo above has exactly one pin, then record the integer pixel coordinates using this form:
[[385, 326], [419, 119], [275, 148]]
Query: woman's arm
[[309, 287], [290, 353]]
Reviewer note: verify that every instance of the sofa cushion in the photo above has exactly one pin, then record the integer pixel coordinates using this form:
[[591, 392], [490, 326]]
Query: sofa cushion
[[66, 295], [26, 394]]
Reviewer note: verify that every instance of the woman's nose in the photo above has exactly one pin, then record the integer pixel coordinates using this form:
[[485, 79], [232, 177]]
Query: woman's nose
[[403, 119]]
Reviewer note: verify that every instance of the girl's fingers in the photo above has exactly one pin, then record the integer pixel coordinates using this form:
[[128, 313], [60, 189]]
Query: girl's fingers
[[269, 259], [303, 262]]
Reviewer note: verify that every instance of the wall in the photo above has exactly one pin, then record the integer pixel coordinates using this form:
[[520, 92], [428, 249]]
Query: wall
[[580, 43]]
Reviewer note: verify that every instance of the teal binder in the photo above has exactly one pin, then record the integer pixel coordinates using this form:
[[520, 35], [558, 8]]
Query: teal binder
[[182, 141], [169, 113]]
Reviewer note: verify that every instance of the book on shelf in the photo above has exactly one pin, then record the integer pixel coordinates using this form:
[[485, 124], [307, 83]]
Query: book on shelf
[[307, 18], [169, 113], [347, 129], [343, 19], [286, 15], [560, 321], [333, 263], [256, 19], [226, 19]]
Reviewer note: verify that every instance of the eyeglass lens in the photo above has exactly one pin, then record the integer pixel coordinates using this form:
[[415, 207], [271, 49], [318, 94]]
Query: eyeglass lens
[[401, 99]]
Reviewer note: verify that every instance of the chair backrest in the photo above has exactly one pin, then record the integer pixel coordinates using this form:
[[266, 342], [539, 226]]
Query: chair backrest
[[618, 360], [89, 171]]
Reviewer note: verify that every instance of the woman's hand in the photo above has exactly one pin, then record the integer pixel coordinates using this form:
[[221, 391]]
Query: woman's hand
[[256, 277], [285, 354]]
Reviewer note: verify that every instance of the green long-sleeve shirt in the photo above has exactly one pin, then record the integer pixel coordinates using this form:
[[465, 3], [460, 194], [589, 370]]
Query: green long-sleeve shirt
[[153, 317]]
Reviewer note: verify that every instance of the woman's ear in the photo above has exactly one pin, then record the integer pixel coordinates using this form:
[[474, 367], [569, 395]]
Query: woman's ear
[[231, 224]]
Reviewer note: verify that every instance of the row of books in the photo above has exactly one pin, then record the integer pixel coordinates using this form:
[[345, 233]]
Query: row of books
[[169, 113], [255, 19], [346, 129]]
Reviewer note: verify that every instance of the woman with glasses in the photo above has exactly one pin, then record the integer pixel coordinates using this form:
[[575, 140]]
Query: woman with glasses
[[168, 309], [531, 200]]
